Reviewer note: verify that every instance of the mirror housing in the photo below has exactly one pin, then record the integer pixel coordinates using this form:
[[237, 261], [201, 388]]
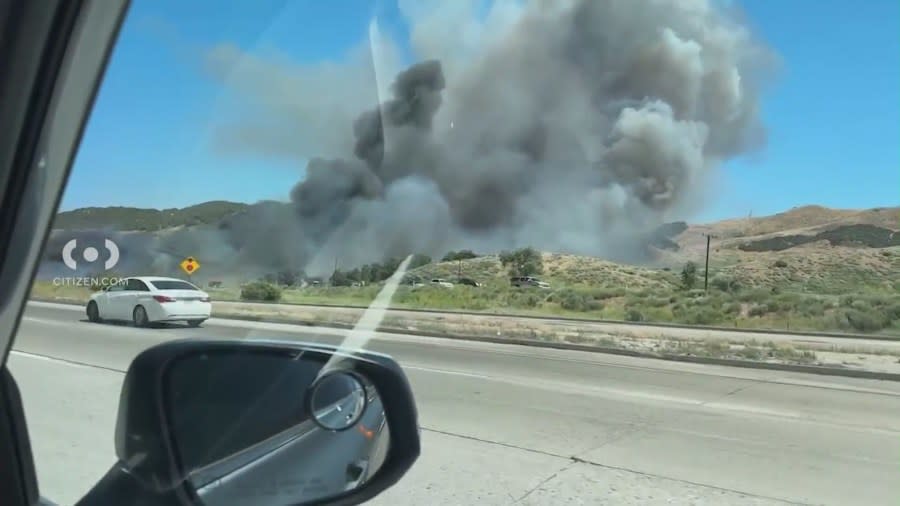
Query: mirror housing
[[144, 439]]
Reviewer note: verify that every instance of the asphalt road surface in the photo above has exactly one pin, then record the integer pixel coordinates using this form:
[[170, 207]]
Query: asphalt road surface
[[506, 424]]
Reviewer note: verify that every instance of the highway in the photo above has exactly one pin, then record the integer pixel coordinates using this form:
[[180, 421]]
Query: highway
[[505, 424]]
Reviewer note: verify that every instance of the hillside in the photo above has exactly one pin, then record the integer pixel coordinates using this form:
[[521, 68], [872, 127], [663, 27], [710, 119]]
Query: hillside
[[809, 248], [808, 225], [559, 269], [809, 267], [137, 219]]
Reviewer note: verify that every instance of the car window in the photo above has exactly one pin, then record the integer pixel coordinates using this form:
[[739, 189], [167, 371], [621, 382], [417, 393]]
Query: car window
[[136, 285], [681, 218], [172, 285]]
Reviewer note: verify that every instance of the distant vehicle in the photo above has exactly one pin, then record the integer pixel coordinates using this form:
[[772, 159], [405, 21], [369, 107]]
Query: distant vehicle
[[413, 281], [468, 282], [521, 281], [146, 300], [215, 284], [441, 282]]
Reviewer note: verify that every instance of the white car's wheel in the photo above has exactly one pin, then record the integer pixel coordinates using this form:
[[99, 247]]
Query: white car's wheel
[[139, 315], [93, 312]]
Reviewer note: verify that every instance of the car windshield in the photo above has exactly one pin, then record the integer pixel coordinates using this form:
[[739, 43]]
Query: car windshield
[[662, 237], [171, 284]]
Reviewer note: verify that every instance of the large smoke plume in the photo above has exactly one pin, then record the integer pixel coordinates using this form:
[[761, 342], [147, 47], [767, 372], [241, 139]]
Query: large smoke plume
[[567, 125]]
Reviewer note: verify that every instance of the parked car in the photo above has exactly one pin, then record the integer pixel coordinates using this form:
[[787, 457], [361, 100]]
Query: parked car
[[442, 283], [468, 282], [523, 281]]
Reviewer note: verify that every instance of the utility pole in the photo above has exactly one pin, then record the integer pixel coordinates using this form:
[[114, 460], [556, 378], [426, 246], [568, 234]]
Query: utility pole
[[706, 270], [458, 268]]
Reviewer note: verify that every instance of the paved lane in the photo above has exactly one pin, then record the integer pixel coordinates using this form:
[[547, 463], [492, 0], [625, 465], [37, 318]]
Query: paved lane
[[509, 424]]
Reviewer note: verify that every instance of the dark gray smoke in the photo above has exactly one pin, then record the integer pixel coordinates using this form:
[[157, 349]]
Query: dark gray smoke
[[567, 125], [574, 125]]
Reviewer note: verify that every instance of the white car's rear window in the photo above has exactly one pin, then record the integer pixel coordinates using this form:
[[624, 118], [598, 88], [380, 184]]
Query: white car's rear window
[[173, 285]]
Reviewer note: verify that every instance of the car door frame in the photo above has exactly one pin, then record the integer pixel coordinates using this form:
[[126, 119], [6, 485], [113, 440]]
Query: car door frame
[[134, 295], [53, 54], [114, 295]]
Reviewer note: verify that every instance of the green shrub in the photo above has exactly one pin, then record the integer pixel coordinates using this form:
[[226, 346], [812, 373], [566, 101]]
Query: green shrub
[[522, 262], [859, 305], [716, 348], [732, 308], [878, 300], [750, 353], [572, 300], [863, 321], [261, 291], [892, 312], [758, 310], [756, 295], [656, 301], [780, 264], [811, 307], [527, 300], [689, 276], [725, 284], [633, 315], [606, 293], [703, 316]]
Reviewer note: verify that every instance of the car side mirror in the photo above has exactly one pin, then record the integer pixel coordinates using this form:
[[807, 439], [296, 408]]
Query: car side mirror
[[215, 423]]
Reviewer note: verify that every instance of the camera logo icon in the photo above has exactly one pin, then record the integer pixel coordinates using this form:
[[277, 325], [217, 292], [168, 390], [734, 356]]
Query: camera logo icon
[[90, 254]]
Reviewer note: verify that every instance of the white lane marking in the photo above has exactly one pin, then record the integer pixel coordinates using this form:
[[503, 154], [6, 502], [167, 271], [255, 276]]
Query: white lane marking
[[44, 358], [513, 350], [55, 305], [561, 386], [47, 321], [446, 371], [620, 394]]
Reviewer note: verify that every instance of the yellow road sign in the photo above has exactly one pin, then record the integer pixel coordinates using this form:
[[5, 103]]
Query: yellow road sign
[[190, 265]]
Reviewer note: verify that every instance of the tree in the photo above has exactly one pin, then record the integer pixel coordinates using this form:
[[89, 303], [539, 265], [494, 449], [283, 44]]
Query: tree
[[289, 278], [339, 278], [522, 262], [464, 254], [386, 269], [419, 261], [689, 275]]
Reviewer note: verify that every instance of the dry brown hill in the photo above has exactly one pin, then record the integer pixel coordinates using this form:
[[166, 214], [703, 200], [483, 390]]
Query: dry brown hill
[[834, 258]]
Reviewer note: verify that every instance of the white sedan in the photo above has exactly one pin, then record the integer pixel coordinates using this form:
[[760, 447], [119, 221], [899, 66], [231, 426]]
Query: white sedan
[[146, 300]]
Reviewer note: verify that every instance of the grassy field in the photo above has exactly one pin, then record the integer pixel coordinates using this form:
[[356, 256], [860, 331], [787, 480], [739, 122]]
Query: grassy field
[[819, 286], [844, 291]]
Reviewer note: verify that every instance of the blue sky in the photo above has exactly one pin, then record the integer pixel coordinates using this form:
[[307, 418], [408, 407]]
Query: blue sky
[[833, 114]]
